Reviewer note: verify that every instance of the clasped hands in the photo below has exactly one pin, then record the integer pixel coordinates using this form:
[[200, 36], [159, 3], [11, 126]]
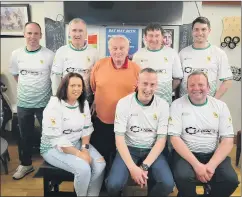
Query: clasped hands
[[139, 175], [204, 172]]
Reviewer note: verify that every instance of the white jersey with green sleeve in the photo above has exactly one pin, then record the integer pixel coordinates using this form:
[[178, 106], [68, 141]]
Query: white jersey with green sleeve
[[211, 60], [69, 59], [200, 126], [166, 63], [141, 125], [33, 69]]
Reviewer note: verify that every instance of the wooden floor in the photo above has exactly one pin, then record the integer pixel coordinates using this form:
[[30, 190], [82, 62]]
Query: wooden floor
[[30, 186]]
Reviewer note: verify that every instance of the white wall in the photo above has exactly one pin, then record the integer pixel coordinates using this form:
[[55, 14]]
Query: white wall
[[233, 96]]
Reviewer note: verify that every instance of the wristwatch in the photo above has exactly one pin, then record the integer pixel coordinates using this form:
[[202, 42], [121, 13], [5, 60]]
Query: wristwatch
[[145, 167], [86, 146]]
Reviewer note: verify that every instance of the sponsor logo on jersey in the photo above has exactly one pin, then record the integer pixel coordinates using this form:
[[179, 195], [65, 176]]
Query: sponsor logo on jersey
[[190, 70], [41, 61], [137, 129], [187, 58], [30, 72], [215, 115], [161, 71], [193, 131]]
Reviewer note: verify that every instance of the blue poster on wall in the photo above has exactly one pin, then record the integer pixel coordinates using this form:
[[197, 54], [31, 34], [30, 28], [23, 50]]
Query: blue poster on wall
[[131, 34]]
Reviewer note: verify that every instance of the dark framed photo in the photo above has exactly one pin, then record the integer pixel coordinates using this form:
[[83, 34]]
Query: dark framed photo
[[13, 19], [168, 38]]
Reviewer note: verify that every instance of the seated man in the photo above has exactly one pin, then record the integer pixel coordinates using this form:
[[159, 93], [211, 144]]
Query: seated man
[[202, 134], [140, 128]]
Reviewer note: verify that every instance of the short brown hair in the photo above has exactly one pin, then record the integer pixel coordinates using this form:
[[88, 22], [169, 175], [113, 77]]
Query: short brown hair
[[197, 72], [28, 23], [202, 20]]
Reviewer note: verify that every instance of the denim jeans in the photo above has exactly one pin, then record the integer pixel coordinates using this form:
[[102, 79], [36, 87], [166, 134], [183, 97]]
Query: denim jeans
[[87, 178], [223, 183], [160, 181], [26, 119]]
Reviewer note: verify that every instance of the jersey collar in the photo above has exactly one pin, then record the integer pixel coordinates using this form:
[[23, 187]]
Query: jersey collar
[[140, 103], [35, 51], [198, 105], [125, 65]]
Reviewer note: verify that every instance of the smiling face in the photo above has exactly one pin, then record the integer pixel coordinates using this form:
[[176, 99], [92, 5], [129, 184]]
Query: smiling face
[[197, 88], [118, 49], [74, 89], [147, 84], [32, 34], [200, 33], [78, 33], [154, 39]]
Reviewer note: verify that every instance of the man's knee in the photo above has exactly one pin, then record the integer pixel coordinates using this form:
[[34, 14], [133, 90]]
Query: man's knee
[[101, 165], [231, 179], [114, 186]]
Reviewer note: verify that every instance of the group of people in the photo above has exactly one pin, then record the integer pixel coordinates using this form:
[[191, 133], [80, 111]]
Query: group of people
[[107, 119]]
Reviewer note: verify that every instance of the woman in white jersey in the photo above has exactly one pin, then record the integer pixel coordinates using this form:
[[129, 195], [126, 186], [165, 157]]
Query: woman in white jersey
[[67, 128]]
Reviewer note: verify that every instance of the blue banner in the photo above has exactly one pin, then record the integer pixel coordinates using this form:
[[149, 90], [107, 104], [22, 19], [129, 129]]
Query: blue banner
[[131, 34]]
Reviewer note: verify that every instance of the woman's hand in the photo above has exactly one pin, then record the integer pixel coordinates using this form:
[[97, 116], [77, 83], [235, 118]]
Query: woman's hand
[[84, 154]]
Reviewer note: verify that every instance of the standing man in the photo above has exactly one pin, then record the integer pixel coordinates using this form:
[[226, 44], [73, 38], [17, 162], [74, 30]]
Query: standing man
[[203, 56], [202, 135], [76, 57], [31, 67], [161, 58], [140, 128], [112, 78]]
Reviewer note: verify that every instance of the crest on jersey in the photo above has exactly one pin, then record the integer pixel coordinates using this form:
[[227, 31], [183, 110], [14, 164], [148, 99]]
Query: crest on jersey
[[165, 59], [209, 58], [155, 117], [41, 61], [169, 120], [88, 59], [52, 120], [230, 120], [215, 115]]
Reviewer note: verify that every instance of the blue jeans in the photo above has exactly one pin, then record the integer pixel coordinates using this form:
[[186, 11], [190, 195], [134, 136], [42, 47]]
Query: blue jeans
[[87, 178], [160, 182]]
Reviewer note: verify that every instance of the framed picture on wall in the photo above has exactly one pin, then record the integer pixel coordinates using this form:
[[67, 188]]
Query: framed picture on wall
[[13, 19], [168, 38]]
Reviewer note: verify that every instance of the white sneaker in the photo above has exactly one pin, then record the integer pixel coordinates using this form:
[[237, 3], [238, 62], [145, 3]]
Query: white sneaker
[[22, 171]]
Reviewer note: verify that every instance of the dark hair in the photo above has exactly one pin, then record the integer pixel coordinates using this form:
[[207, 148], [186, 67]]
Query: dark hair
[[28, 23], [202, 20], [62, 90], [152, 27], [148, 70], [197, 72]]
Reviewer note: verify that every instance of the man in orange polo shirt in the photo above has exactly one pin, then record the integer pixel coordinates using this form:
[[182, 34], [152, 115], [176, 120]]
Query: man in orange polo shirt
[[112, 78]]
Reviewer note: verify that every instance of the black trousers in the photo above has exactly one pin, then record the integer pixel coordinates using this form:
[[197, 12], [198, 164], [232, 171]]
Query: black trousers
[[223, 183], [103, 139], [27, 134]]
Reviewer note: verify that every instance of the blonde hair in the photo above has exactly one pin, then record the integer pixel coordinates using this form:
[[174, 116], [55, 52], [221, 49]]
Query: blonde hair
[[118, 37], [77, 20]]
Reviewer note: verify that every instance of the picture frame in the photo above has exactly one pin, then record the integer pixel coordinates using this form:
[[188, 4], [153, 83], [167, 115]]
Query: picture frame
[[168, 38], [13, 19]]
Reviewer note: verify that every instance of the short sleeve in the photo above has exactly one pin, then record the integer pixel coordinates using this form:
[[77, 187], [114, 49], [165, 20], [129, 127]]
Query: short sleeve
[[52, 125], [175, 119], [13, 65], [224, 68], [121, 119], [225, 123], [177, 72], [88, 126], [163, 120]]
